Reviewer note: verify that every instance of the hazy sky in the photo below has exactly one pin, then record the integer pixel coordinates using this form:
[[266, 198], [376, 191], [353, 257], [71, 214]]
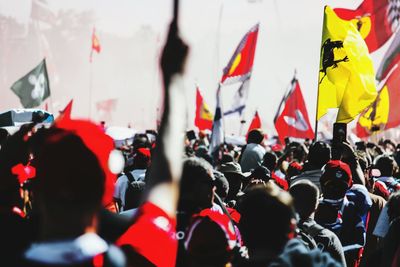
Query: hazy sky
[[131, 34]]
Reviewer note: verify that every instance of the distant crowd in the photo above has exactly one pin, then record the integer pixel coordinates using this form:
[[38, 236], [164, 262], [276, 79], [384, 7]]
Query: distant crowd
[[176, 203]]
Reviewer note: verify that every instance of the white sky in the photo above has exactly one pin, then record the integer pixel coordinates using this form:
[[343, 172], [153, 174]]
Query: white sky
[[289, 38]]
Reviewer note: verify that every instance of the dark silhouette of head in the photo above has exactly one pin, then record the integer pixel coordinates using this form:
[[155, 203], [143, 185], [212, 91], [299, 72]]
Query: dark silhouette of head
[[305, 197], [69, 182], [267, 220], [270, 160], [319, 154], [197, 185], [255, 136], [386, 164]]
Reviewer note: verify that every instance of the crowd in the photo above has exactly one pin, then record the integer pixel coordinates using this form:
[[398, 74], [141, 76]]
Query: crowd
[[177, 204]]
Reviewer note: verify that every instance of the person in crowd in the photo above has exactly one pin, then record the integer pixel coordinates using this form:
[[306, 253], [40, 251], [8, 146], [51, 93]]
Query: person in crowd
[[272, 242], [347, 219], [253, 153], [305, 196], [66, 171], [387, 166], [135, 176], [319, 154]]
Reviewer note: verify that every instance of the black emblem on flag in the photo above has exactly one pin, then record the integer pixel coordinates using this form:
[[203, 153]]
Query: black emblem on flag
[[328, 55]]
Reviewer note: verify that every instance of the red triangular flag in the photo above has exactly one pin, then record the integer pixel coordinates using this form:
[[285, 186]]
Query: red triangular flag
[[292, 120], [255, 123], [65, 114], [204, 117], [241, 63]]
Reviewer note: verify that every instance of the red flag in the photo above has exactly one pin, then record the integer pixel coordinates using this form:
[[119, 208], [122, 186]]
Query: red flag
[[241, 63], [292, 120], [204, 117], [65, 114], [95, 42], [255, 123], [376, 20], [384, 113]]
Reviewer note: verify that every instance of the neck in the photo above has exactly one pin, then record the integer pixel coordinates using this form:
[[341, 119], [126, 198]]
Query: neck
[[65, 228]]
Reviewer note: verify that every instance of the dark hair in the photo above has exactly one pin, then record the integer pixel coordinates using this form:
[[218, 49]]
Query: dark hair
[[305, 197], [255, 136], [196, 172], [319, 154], [3, 136], [270, 160], [267, 216], [385, 164], [221, 184], [69, 179]]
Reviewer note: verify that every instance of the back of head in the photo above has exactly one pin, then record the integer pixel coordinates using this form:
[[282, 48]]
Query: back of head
[[197, 183], [386, 164], [255, 136], [305, 197], [70, 180], [319, 154], [270, 160], [267, 218]]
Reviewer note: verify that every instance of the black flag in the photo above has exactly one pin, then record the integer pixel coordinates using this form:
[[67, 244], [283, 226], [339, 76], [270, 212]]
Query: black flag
[[34, 87]]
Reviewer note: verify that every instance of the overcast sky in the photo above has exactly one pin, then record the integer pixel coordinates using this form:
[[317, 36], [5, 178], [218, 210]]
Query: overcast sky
[[131, 33]]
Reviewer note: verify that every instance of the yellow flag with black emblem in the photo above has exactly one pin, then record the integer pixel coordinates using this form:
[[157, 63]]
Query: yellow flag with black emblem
[[346, 74]]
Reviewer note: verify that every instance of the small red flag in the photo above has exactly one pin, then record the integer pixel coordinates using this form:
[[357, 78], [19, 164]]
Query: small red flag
[[95, 42], [376, 20], [204, 117], [292, 120], [65, 114], [255, 123], [240, 66]]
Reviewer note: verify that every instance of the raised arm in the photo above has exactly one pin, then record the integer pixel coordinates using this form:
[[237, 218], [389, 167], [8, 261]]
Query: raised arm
[[166, 169]]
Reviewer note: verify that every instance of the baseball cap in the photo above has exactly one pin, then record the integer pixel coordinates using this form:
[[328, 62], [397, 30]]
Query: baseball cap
[[336, 170]]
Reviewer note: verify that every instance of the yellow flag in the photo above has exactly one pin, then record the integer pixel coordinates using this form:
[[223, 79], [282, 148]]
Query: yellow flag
[[346, 76]]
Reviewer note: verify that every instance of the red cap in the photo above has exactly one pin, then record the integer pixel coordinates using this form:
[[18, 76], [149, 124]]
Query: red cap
[[337, 170]]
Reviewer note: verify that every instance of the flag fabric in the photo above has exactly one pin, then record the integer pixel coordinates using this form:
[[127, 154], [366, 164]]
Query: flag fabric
[[390, 58], [204, 117], [217, 134], [240, 98], [384, 112], [95, 44], [34, 87], [376, 20], [346, 77], [65, 114], [105, 107], [291, 119], [255, 123], [241, 63]]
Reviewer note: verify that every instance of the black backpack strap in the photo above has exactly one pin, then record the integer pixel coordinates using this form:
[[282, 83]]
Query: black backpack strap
[[130, 177]]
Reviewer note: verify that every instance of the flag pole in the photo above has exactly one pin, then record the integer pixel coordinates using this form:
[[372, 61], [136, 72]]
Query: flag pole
[[90, 86], [316, 109]]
